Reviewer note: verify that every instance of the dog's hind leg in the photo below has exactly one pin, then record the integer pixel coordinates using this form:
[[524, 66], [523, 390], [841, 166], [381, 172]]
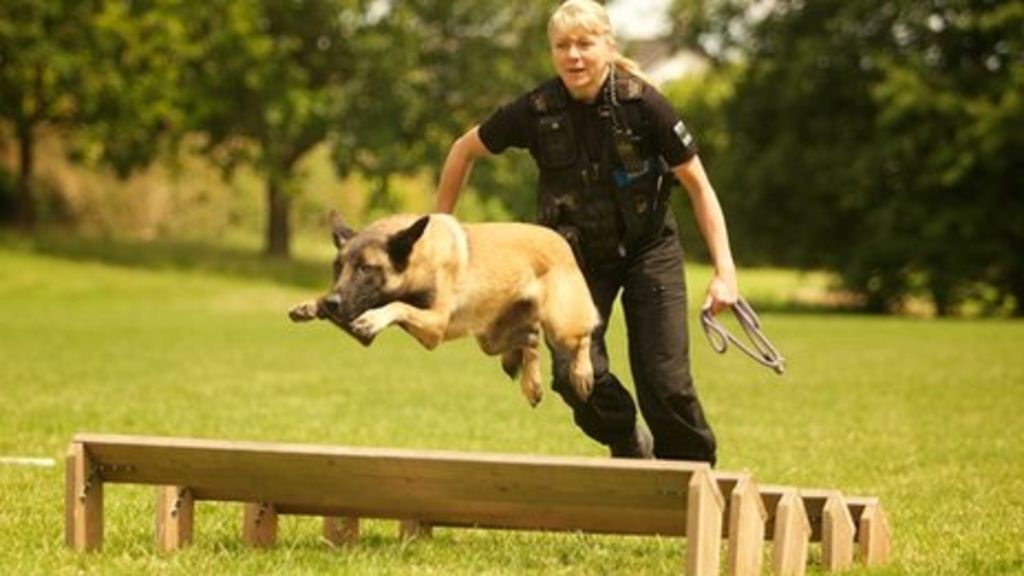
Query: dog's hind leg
[[530, 382], [581, 370], [569, 317], [510, 343]]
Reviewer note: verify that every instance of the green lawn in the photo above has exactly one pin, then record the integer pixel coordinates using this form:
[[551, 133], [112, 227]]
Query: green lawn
[[928, 415]]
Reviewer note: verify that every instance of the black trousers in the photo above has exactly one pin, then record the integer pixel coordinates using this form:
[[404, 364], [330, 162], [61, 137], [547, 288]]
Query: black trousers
[[654, 304]]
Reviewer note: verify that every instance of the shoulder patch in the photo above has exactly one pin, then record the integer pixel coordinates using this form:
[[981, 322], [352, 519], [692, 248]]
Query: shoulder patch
[[684, 135]]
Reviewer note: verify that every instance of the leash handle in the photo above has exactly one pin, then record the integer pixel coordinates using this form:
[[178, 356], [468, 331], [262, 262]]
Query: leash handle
[[761, 350]]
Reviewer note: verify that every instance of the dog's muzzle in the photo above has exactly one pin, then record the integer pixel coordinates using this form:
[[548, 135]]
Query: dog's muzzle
[[333, 308], [332, 305]]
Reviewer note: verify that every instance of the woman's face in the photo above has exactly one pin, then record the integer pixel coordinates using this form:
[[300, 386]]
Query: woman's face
[[581, 60]]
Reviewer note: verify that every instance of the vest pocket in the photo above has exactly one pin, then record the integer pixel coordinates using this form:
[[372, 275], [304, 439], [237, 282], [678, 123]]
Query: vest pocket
[[556, 141]]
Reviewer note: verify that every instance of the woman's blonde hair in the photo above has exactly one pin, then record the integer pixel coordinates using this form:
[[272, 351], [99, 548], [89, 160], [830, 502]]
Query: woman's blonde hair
[[592, 18]]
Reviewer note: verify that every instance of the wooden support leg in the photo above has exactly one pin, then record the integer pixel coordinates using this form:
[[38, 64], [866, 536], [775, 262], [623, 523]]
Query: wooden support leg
[[705, 507], [341, 531], [873, 536], [83, 501], [259, 528], [413, 529], [747, 516], [175, 512], [792, 536], [837, 533]]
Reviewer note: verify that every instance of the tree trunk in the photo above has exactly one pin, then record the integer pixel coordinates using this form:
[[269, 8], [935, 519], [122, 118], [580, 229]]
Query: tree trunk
[[1017, 290], [24, 202], [278, 221]]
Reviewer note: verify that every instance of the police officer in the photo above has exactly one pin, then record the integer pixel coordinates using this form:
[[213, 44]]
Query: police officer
[[607, 145]]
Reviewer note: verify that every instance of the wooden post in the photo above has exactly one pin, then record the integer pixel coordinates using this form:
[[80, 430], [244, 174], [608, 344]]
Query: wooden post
[[83, 501], [747, 516], [837, 533], [341, 531], [704, 510], [259, 528], [413, 529], [175, 513], [792, 536], [873, 536]]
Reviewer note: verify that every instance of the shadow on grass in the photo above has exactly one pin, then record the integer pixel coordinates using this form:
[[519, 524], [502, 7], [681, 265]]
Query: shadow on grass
[[179, 256]]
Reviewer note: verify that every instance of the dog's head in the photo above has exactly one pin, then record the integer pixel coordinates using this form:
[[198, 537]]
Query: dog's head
[[371, 266]]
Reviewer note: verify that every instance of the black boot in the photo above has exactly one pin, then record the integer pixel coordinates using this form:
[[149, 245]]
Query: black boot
[[638, 445]]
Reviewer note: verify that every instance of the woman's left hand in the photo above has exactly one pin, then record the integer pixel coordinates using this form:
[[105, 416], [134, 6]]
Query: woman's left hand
[[723, 291]]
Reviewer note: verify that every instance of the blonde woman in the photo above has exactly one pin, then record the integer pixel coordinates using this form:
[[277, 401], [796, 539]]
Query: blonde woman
[[607, 145]]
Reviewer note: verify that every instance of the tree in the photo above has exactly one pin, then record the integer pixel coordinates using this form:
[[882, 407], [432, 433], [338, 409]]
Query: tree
[[39, 56], [265, 80], [388, 84], [429, 71], [100, 71], [128, 97], [875, 138]]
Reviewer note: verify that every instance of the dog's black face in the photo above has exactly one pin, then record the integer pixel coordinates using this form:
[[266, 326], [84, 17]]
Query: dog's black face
[[368, 269], [360, 279]]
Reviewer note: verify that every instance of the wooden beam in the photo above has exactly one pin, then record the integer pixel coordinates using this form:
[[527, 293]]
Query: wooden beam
[[508, 491], [259, 526], [341, 531], [747, 516], [874, 538], [838, 532], [705, 508], [175, 514], [792, 536], [445, 488], [414, 529], [83, 498]]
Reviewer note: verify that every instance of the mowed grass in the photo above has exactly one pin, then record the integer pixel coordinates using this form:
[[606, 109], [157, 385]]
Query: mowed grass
[[927, 415]]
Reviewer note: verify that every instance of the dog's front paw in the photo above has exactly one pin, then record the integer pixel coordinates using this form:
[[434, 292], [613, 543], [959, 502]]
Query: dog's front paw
[[533, 394], [369, 323], [304, 312]]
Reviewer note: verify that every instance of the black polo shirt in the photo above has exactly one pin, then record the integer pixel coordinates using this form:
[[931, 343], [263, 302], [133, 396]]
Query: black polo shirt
[[515, 125]]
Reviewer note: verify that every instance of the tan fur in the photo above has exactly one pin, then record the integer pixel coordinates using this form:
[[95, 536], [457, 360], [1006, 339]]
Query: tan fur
[[505, 283]]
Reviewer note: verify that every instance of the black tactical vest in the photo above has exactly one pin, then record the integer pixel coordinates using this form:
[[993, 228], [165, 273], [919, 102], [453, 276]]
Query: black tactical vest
[[609, 206]]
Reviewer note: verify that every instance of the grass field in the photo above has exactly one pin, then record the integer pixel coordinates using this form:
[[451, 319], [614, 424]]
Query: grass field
[[928, 415]]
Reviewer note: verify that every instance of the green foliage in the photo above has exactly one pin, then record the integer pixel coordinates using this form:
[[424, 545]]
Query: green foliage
[[37, 58], [430, 70], [102, 70], [700, 99], [125, 340], [40, 47], [128, 100], [263, 82], [877, 139]]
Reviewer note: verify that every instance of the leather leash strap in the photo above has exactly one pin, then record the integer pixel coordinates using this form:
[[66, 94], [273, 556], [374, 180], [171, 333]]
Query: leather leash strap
[[761, 349]]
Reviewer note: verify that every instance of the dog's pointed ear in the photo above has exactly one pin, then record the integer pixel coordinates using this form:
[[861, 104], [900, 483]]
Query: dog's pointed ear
[[400, 245], [340, 232]]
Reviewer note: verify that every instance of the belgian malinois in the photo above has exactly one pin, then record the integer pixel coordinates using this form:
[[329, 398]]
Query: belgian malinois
[[505, 283]]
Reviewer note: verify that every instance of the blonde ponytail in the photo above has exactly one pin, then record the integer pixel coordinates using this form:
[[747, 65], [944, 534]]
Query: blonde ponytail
[[630, 66]]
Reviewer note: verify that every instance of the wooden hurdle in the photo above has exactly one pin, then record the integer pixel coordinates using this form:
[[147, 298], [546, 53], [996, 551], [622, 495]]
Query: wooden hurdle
[[845, 526], [423, 489]]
